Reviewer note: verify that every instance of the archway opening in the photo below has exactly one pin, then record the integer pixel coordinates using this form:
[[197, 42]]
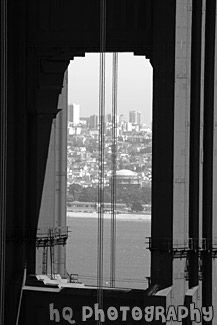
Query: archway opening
[[133, 169]]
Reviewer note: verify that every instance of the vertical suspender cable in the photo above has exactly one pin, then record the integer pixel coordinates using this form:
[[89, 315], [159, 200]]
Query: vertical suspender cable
[[50, 231], [101, 153], [3, 153], [113, 183]]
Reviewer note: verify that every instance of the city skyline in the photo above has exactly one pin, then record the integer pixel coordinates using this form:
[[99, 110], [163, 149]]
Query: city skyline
[[134, 85], [108, 117]]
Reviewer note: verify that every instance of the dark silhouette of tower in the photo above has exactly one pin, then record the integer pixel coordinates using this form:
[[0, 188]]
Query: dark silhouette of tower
[[38, 39]]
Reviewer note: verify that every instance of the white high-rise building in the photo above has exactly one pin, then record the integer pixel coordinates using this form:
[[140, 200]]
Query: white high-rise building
[[74, 113], [135, 117]]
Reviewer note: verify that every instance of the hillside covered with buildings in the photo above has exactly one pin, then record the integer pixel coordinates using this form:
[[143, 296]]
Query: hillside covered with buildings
[[133, 159]]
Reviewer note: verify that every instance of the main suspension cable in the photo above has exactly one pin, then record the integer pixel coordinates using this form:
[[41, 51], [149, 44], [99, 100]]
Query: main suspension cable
[[113, 179], [101, 153]]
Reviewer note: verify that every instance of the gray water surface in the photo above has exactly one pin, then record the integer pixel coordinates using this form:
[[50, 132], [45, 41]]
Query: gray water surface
[[132, 255]]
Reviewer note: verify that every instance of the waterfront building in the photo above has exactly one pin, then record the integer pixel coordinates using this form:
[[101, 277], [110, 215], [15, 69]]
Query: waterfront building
[[126, 178]]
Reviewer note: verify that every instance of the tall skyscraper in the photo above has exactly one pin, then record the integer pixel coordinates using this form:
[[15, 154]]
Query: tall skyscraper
[[74, 113], [109, 118], [121, 118], [135, 117], [93, 121]]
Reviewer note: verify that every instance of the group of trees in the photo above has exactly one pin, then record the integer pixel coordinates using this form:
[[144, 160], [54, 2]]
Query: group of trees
[[131, 196]]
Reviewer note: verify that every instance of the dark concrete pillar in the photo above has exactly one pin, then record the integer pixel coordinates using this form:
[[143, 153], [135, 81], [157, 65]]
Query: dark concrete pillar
[[163, 61], [195, 111], [16, 158], [45, 80], [209, 83], [3, 151]]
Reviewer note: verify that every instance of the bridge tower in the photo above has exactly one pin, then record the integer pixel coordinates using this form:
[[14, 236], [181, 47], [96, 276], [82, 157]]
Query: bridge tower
[[38, 39]]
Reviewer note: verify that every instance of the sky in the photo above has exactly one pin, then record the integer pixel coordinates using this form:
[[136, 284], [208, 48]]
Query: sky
[[134, 85]]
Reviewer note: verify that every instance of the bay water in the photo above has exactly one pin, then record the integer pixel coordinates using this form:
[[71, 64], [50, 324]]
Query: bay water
[[132, 255]]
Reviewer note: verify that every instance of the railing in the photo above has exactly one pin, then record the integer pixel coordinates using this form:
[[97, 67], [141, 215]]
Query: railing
[[51, 236], [42, 236], [181, 246]]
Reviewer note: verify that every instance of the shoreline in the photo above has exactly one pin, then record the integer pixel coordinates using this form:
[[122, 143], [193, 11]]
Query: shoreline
[[121, 216]]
